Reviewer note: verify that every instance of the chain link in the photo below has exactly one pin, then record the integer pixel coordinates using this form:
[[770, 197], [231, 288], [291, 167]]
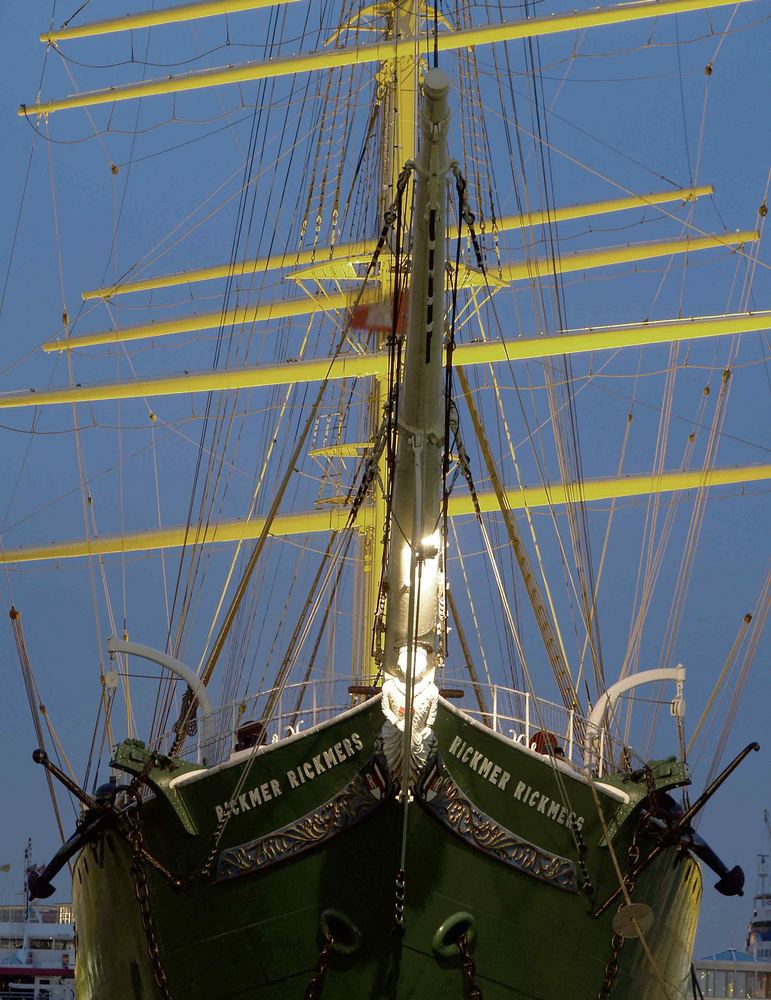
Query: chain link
[[313, 990], [632, 856], [186, 724], [142, 893], [468, 968], [586, 882], [213, 848], [399, 893], [617, 940], [611, 967]]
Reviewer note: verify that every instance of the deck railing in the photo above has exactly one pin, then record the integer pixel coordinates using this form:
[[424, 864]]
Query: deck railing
[[516, 715]]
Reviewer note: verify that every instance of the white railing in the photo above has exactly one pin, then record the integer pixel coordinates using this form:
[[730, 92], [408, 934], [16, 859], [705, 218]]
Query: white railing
[[289, 710], [515, 715], [520, 716]]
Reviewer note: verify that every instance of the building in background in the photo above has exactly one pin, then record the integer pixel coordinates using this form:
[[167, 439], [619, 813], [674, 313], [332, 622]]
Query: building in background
[[37, 952]]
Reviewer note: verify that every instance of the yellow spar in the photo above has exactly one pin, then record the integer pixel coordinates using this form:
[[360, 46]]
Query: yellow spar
[[333, 520], [359, 365], [517, 271], [345, 251], [383, 50], [232, 317], [153, 18]]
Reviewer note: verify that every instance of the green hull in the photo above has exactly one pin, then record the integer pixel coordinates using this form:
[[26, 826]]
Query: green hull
[[252, 929]]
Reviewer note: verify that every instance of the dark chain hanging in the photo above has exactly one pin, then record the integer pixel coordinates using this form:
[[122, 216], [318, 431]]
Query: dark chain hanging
[[468, 968], [617, 940], [611, 967], [399, 894], [142, 893], [313, 990], [586, 882], [468, 217]]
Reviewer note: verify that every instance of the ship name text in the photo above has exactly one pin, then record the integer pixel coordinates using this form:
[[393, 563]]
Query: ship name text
[[306, 770], [522, 792]]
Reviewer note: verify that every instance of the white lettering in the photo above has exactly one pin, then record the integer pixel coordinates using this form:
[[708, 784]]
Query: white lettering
[[275, 787], [521, 786], [504, 780], [357, 741], [485, 767], [455, 744]]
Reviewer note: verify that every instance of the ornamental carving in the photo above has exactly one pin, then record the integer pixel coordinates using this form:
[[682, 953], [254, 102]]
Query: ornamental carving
[[441, 796], [359, 797]]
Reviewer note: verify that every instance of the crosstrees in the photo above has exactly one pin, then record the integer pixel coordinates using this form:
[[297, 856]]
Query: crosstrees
[[542, 267], [345, 251]]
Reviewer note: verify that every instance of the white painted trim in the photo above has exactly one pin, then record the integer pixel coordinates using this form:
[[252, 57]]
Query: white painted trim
[[177, 667], [242, 755], [614, 692]]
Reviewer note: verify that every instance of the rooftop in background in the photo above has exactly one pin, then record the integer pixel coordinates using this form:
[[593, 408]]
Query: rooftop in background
[[731, 974]]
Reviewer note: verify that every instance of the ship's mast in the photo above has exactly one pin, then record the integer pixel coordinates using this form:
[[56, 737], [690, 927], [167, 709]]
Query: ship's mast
[[415, 588], [399, 80]]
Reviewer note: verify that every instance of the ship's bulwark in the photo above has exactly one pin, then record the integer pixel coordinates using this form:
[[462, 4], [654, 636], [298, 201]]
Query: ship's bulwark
[[253, 931]]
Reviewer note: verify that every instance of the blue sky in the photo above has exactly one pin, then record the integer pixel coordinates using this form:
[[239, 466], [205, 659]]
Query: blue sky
[[629, 110]]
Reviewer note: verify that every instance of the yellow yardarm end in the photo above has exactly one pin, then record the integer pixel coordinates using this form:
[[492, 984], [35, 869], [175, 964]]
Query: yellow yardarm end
[[153, 18]]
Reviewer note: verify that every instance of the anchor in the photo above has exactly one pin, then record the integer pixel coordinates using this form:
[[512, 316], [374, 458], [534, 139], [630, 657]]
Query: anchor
[[675, 828]]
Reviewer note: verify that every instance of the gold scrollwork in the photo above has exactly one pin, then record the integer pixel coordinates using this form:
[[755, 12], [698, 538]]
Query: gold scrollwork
[[457, 812], [346, 808]]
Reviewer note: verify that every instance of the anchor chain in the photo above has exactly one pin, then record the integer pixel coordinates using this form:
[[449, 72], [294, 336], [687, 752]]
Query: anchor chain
[[617, 940], [468, 968], [142, 893], [214, 846], [313, 990], [586, 882], [611, 967], [399, 892]]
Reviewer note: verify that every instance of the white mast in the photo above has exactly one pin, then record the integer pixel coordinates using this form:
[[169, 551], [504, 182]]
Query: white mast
[[414, 573]]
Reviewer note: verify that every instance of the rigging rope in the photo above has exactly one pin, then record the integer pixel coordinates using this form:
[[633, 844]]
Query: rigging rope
[[34, 706]]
